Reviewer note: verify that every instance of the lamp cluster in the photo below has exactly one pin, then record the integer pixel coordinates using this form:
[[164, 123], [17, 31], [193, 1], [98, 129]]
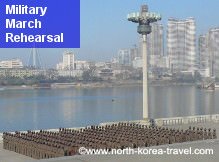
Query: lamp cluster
[[144, 18]]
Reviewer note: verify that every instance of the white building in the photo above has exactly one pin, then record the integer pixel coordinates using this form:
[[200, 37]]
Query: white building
[[213, 41], [137, 63], [114, 61], [11, 64], [82, 65], [155, 45], [100, 64], [209, 53], [59, 66], [158, 61], [70, 73], [68, 62], [155, 41], [204, 56], [181, 44], [126, 56]]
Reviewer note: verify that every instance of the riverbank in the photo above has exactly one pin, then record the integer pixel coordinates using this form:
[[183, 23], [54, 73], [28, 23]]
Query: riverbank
[[74, 85], [98, 85]]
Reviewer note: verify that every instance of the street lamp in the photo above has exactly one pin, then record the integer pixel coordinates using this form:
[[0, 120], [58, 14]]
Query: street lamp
[[144, 18]]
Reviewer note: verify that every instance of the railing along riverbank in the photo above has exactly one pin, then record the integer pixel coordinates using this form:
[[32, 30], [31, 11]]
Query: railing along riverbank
[[187, 120], [161, 121]]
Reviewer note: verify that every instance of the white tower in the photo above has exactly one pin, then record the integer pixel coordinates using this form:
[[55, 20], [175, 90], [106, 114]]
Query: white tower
[[144, 18], [34, 59]]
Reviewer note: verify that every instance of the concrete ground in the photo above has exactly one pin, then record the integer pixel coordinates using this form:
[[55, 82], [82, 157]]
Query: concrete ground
[[152, 158], [8, 156]]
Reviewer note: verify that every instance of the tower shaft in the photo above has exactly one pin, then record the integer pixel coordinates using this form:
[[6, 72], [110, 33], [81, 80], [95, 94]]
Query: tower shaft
[[145, 78]]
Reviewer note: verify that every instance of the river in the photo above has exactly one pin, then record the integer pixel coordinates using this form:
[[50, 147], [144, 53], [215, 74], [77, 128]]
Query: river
[[74, 107]]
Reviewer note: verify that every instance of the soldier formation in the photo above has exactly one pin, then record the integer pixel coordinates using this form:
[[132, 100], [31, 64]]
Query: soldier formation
[[66, 142]]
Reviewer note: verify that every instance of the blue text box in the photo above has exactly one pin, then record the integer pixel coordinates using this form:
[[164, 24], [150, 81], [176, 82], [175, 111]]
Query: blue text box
[[62, 18]]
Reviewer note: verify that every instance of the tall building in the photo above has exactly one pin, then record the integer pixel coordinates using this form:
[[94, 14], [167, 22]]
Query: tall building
[[68, 62], [156, 41], [11, 64], [126, 56], [134, 52], [181, 44], [211, 51], [204, 56], [155, 45]]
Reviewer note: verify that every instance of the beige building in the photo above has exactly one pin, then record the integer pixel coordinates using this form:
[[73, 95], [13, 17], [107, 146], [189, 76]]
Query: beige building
[[11, 64], [20, 73]]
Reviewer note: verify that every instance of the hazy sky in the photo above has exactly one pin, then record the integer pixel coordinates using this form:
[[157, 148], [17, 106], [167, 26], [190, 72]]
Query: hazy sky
[[104, 28]]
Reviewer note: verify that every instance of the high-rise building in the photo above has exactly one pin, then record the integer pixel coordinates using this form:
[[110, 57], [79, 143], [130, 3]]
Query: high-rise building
[[11, 64], [134, 52], [126, 56], [181, 44], [155, 44], [213, 50], [204, 56], [155, 40], [68, 62]]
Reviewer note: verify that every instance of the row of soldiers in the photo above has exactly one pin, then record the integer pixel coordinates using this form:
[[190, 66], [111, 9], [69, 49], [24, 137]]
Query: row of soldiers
[[66, 142]]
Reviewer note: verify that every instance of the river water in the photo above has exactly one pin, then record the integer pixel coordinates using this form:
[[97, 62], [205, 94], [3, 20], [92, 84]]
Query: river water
[[45, 109]]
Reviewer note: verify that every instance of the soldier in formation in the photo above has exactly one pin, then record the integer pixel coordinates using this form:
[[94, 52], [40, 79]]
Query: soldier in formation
[[66, 142]]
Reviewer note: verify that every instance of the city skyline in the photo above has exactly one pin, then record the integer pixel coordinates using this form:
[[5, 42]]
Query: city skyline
[[105, 31]]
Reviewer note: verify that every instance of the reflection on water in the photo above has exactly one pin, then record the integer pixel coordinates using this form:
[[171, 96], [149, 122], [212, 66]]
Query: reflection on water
[[43, 109]]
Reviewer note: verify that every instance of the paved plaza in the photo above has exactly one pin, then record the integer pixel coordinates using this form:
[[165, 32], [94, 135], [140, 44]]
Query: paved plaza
[[8, 156]]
